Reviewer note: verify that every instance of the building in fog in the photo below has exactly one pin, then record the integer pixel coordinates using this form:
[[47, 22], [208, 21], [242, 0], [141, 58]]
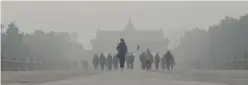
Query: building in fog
[[106, 41]]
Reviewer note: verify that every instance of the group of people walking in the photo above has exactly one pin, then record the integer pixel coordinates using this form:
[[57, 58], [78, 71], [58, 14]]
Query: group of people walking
[[146, 59], [108, 62], [112, 61]]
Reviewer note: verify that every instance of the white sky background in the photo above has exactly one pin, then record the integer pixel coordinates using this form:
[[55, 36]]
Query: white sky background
[[85, 17]]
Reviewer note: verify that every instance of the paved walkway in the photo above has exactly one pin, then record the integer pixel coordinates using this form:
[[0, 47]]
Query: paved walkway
[[139, 77], [40, 76], [128, 78]]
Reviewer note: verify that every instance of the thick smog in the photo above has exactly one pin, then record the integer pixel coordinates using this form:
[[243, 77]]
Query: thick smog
[[124, 43]]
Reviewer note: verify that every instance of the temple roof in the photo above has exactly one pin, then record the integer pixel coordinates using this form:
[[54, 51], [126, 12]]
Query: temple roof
[[131, 33]]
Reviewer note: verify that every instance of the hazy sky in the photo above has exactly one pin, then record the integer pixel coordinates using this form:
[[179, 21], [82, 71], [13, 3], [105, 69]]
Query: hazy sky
[[85, 17]]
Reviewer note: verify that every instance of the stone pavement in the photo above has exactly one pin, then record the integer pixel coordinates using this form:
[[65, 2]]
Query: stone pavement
[[137, 77], [40, 76]]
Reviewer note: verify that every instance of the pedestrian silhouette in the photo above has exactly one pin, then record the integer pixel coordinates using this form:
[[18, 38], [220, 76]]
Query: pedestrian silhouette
[[170, 61], [156, 61], [148, 59], [142, 60], [122, 50], [109, 61], [130, 60], [96, 61], [102, 61]]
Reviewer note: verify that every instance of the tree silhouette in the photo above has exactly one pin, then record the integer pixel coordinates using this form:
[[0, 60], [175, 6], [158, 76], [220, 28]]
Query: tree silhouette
[[52, 49], [225, 41], [12, 43]]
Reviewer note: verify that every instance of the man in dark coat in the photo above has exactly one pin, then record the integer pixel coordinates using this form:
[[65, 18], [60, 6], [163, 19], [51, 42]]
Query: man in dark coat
[[102, 61], [95, 61], [170, 61], [156, 61], [142, 60], [163, 62], [122, 50]]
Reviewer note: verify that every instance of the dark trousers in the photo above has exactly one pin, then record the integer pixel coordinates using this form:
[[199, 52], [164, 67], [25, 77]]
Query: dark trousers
[[169, 66], [148, 64], [122, 61], [102, 66], [143, 66]]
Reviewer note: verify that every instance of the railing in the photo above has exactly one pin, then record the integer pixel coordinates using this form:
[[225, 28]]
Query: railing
[[234, 65], [14, 65]]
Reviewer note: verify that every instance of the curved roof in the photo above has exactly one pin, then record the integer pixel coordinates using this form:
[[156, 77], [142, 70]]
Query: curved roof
[[130, 32]]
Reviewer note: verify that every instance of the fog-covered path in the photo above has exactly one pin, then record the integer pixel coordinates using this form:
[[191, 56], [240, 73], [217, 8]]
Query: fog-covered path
[[136, 77], [139, 77]]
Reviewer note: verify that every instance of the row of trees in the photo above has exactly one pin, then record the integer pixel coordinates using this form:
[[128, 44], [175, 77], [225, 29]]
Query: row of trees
[[52, 48], [227, 41]]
